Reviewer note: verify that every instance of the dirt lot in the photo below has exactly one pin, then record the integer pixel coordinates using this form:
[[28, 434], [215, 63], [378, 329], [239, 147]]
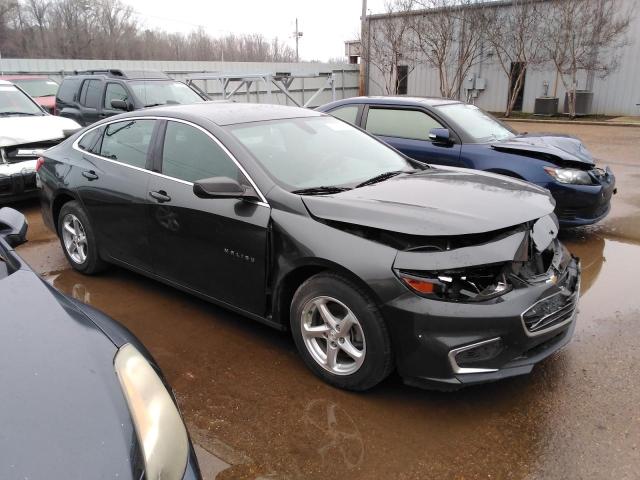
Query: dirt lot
[[255, 411]]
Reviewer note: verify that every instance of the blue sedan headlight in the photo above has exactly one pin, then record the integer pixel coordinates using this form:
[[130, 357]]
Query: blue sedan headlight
[[569, 175]]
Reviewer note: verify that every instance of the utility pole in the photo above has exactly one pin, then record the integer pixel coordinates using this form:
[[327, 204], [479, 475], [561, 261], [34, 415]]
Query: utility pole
[[364, 50], [297, 34]]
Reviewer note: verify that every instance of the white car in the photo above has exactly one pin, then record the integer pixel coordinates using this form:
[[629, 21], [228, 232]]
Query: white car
[[25, 132]]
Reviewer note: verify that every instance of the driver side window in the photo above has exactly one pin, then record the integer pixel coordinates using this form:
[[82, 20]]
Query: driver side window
[[191, 155], [402, 123]]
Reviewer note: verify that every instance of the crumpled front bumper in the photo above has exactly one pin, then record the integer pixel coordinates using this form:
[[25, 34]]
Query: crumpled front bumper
[[18, 181], [447, 345]]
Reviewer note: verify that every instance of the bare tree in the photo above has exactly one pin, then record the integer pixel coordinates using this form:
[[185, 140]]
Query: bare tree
[[585, 36], [108, 29], [388, 44], [449, 36], [515, 36]]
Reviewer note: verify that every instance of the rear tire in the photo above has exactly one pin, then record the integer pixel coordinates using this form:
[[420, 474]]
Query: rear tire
[[78, 240], [340, 333]]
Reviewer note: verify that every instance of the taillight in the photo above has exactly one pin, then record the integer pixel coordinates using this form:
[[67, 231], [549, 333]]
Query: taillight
[[39, 163]]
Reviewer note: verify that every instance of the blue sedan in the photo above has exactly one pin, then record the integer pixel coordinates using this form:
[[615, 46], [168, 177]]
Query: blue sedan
[[448, 132]]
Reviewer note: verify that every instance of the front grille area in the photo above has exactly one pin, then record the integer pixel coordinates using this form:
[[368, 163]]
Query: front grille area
[[550, 311], [582, 212]]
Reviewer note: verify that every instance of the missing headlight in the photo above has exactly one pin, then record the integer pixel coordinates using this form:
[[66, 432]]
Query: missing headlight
[[470, 285]]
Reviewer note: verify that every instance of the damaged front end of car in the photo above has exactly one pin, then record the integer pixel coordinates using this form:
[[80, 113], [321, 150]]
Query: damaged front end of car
[[485, 310], [18, 169]]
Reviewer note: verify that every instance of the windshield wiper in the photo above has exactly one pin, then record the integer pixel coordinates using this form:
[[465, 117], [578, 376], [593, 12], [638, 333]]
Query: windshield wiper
[[154, 105], [380, 178], [320, 190]]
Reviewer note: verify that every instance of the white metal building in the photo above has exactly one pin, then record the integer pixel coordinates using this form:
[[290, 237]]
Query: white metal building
[[617, 94]]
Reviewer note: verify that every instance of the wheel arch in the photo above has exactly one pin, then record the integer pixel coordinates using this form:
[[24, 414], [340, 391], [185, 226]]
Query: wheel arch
[[61, 197], [291, 281]]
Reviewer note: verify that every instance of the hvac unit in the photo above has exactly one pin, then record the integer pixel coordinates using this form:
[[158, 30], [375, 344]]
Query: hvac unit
[[547, 106], [584, 99]]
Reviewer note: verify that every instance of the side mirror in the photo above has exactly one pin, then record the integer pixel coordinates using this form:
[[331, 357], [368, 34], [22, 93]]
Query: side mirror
[[222, 187], [13, 227], [440, 136], [120, 105]]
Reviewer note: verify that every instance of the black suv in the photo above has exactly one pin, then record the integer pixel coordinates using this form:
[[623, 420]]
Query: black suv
[[95, 94]]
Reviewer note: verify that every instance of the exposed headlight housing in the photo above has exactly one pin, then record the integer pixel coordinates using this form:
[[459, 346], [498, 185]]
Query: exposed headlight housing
[[570, 175], [160, 430], [472, 286]]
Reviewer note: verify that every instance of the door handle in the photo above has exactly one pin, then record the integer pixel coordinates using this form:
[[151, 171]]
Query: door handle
[[90, 175], [160, 196]]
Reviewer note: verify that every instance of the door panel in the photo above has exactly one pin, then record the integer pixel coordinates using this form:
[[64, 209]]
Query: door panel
[[114, 191], [217, 247], [214, 246], [408, 131]]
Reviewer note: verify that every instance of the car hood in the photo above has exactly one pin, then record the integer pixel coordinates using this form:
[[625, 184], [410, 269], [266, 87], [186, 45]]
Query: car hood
[[20, 130], [563, 147], [63, 411], [436, 202]]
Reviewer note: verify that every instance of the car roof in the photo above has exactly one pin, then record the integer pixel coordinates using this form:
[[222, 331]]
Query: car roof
[[228, 113], [398, 100], [4, 82]]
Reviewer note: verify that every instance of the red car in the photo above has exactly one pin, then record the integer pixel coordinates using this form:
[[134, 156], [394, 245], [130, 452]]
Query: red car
[[42, 89]]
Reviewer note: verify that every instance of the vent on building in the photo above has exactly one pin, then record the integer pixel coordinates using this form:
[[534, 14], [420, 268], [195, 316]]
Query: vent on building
[[584, 99], [546, 106]]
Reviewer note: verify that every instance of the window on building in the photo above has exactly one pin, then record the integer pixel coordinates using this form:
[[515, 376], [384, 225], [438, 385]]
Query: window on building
[[402, 80], [392, 122]]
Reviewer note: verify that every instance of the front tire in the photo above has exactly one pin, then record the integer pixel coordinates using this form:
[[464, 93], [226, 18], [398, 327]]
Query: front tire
[[78, 240], [339, 333]]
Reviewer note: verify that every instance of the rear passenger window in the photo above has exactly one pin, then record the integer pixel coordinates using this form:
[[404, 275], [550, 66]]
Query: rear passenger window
[[128, 141], [68, 89], [89, 142], [348, 113], [189, 154], [90, 93], [393, 122]]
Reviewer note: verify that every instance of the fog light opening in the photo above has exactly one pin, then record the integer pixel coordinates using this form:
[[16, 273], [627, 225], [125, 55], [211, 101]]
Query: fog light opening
[[468, 359]]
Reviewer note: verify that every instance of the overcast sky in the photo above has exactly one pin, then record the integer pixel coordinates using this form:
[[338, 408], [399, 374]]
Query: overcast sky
[[325, 24]]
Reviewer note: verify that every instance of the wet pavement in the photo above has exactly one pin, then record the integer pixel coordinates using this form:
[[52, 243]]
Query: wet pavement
[[255, 411]]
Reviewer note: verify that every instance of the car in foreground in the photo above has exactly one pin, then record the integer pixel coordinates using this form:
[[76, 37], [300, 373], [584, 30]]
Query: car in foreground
[[25, 132], [42, 89], [96, 94], [448, 132], [301, 221], [82, 397]]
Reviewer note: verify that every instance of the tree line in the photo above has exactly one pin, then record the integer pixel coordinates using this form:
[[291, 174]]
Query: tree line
[[108, 29], [573, 37]]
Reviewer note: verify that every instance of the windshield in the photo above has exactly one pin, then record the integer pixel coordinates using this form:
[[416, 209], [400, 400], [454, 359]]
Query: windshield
[[38, 87], [302, 153], [476, 123], [154, 92], [16, 103]]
